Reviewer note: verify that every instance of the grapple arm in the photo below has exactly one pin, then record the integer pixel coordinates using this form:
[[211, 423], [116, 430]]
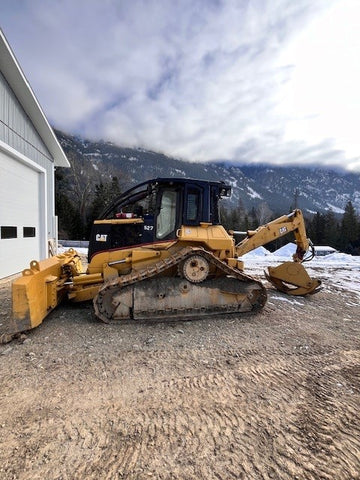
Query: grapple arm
[[294, 222], [290, 277]]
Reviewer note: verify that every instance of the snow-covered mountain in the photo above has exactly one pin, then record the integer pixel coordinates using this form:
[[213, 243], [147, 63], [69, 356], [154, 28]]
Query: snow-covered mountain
[[281, 188]]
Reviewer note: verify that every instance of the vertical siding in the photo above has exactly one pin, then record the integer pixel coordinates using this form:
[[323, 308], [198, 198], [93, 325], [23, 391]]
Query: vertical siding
[[17, 131]]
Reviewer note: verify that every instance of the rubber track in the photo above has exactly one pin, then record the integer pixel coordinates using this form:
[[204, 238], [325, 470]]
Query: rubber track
[[163, 265]]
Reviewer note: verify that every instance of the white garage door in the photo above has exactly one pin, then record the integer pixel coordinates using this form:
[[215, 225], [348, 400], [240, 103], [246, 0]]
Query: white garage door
[[20, 227]]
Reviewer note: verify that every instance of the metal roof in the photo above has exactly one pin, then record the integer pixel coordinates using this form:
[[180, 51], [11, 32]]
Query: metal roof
[[15, 77]]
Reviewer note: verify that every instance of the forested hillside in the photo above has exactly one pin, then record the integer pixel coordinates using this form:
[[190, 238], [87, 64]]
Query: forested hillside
[[100, 170]]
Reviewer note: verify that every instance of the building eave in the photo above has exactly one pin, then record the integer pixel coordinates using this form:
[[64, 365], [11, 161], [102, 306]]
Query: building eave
[[15, 77]]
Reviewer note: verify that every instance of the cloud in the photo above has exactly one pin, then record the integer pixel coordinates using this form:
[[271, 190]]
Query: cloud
[[200, 80]]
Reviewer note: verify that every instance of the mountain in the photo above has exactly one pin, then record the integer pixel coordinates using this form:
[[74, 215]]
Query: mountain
[[280, 188]]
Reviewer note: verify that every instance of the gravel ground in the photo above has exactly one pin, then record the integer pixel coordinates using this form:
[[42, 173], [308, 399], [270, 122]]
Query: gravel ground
[[269, 396]]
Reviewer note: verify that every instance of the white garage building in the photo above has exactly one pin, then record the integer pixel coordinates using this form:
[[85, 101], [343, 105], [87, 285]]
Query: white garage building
[[29, 153]]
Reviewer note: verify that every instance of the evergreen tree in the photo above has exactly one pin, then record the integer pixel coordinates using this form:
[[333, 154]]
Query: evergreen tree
[[295, 203], [69, 220], [99, 202], [253, 219], [105, 193], [316, 229], [70, 224], [331, 234], [349, 241], [224, 217], [246, 223], [235, 219], [115, 189]]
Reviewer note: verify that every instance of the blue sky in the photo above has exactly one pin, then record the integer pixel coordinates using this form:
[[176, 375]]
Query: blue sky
[[268, 81]]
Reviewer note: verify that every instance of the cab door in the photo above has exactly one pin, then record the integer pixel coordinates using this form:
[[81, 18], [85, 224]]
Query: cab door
[[167, 219]]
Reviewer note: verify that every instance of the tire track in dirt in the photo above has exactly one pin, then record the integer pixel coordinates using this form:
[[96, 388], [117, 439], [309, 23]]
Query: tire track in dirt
[[242, 438], [249, 416], [274, 397], [324, 421]]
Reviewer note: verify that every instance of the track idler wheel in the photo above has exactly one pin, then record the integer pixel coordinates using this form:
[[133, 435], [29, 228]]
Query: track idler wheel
[[195, 269], [293, 279]]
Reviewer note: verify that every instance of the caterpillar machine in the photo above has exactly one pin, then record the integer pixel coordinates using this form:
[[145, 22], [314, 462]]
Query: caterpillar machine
[[160, 251]]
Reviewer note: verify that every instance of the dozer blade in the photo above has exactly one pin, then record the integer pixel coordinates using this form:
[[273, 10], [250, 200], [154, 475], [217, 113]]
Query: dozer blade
[[41, 288], [292, 278]]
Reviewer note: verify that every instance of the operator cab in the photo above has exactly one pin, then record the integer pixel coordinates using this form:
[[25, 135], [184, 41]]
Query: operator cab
[[153, 211]]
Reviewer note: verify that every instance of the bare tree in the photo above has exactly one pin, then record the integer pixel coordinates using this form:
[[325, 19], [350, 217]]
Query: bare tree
[[263, 213]]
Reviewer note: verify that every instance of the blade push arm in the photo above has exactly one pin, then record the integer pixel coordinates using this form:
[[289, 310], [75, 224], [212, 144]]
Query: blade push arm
[[294, 222]]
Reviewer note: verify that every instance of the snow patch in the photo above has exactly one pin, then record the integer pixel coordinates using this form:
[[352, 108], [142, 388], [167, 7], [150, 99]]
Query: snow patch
[[341, 258], [287, 250], [92, 154], [260, 251], [335, 209], [253, 194], [287, 299]]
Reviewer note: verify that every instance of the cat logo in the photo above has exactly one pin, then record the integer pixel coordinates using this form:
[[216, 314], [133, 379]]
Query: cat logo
[[101, 237]]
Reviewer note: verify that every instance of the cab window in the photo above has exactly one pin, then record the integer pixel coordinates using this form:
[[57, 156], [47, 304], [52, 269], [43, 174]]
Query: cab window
[[193, 205], [166, 220]]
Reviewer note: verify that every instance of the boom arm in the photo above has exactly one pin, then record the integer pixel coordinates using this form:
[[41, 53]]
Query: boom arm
[[288, 277], [294, 222]]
